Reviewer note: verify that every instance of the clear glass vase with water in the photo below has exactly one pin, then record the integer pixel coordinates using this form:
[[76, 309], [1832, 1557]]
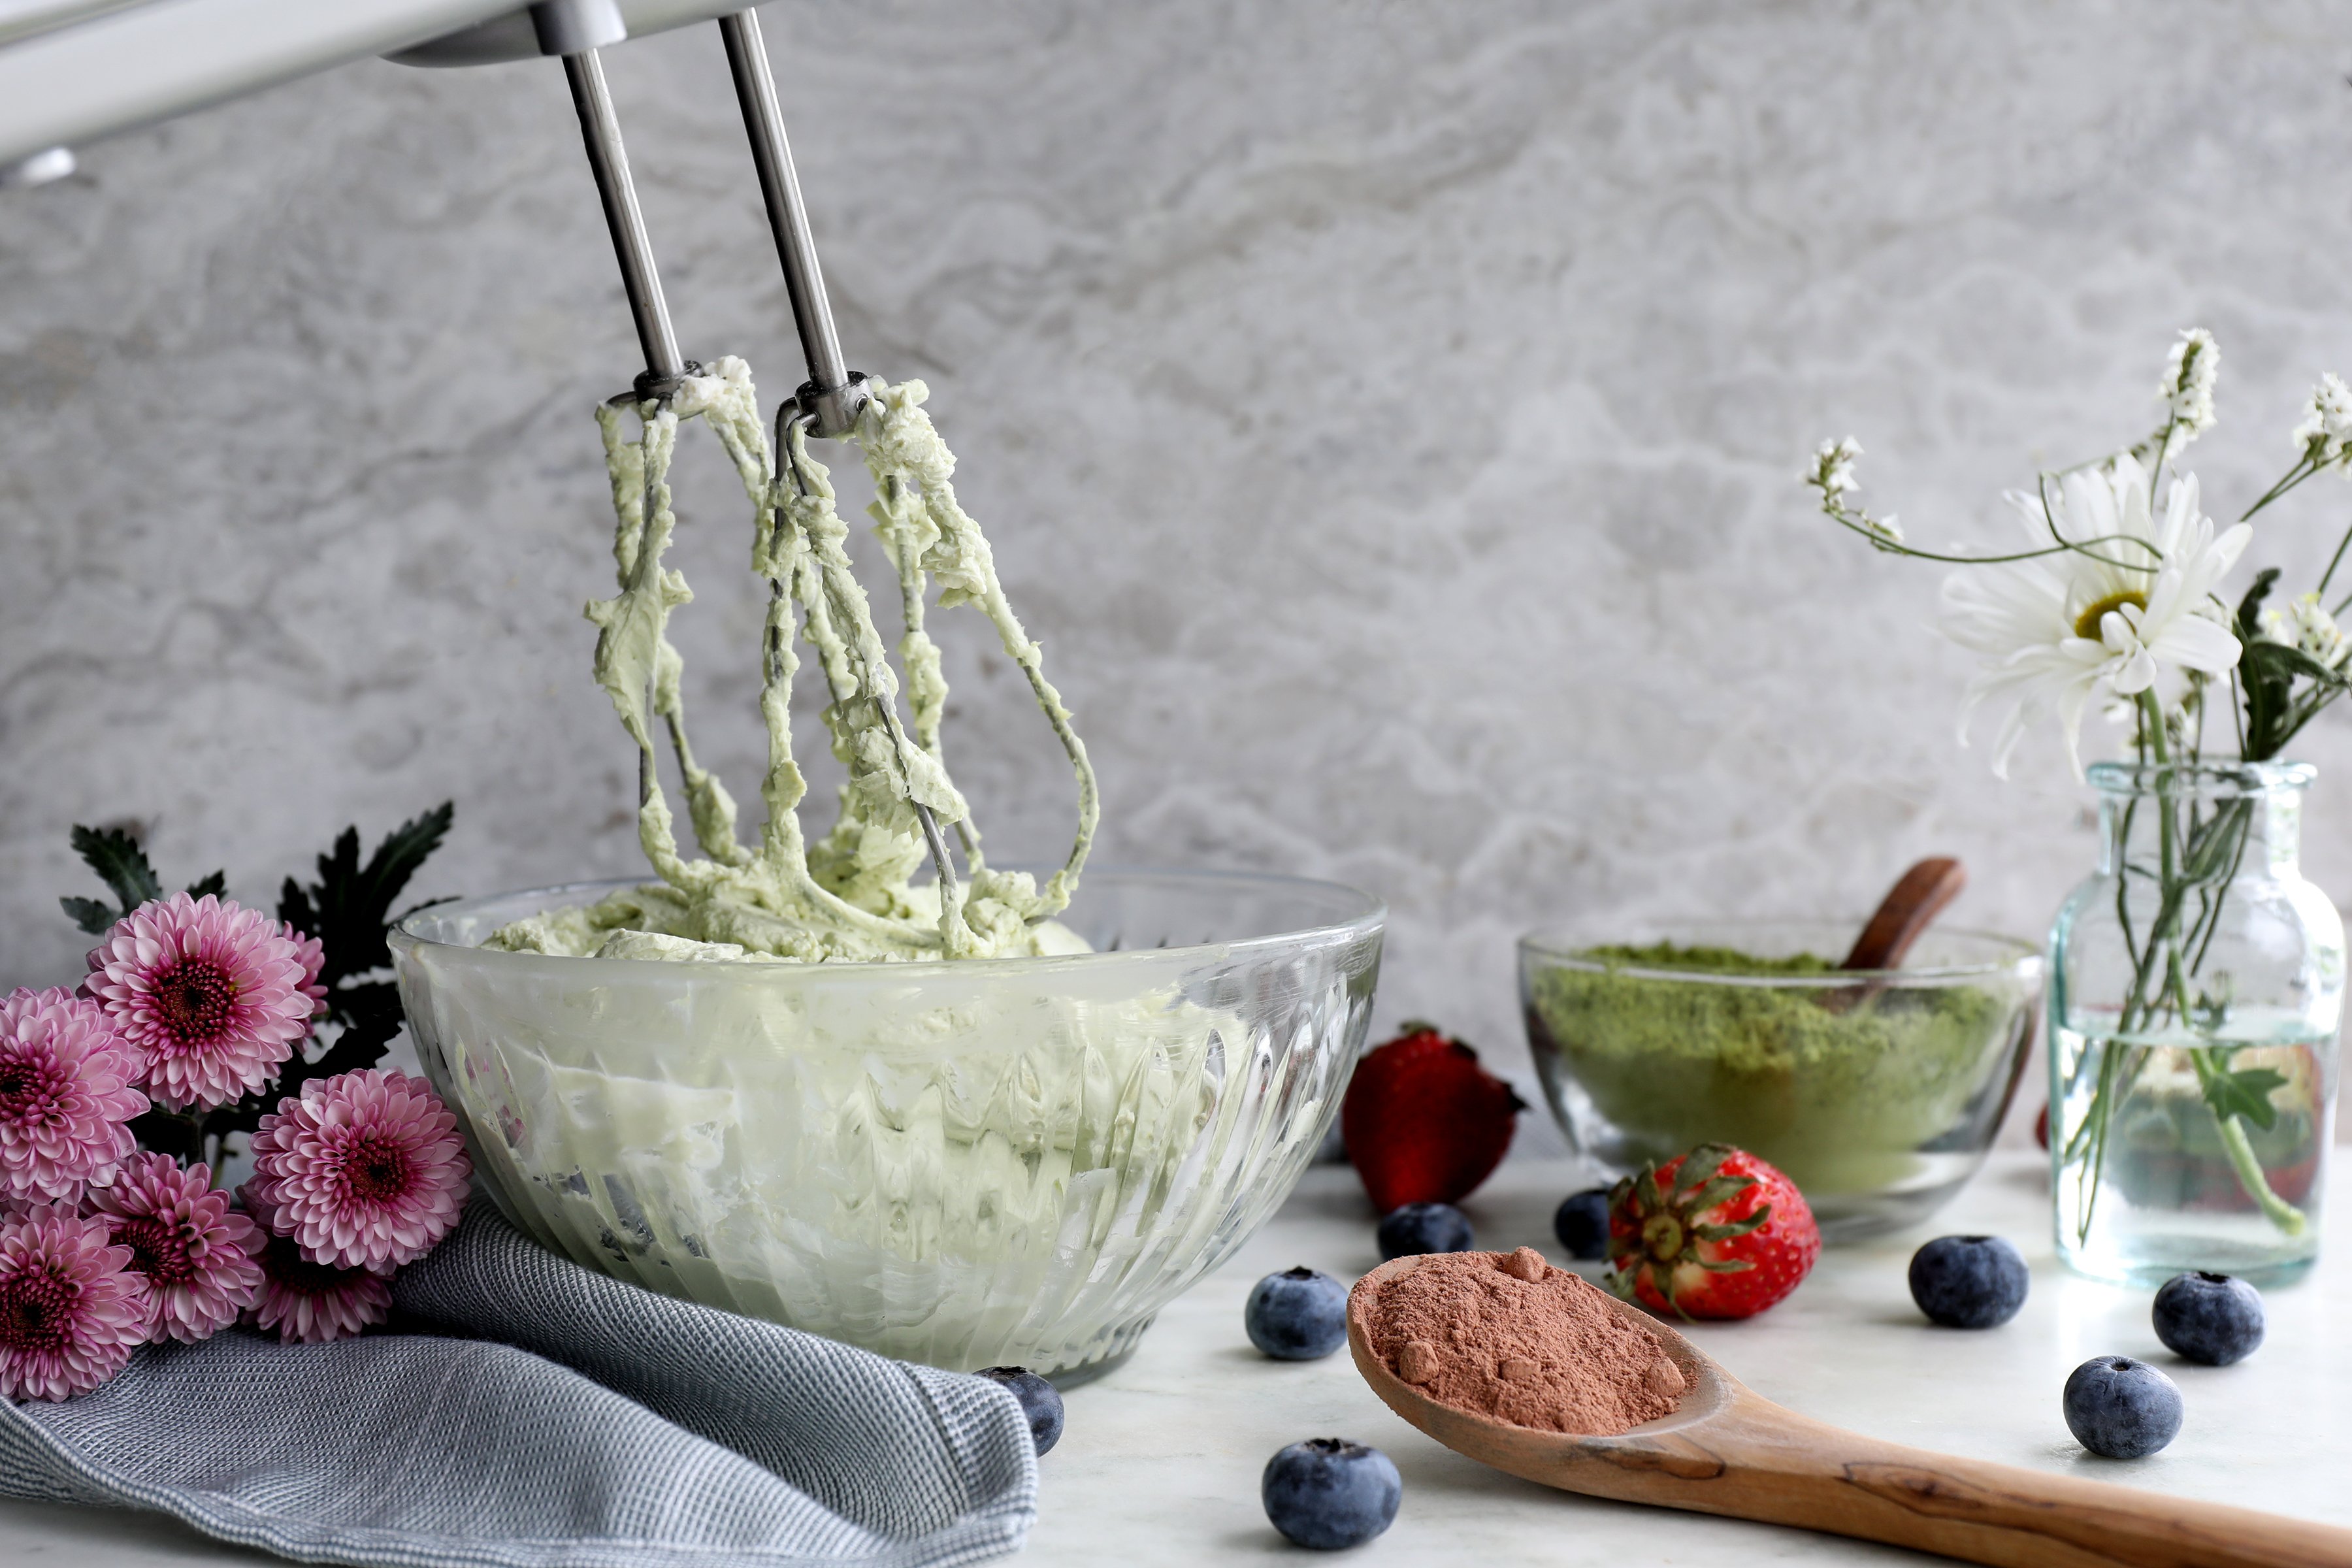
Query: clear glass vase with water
[[2196, 986]]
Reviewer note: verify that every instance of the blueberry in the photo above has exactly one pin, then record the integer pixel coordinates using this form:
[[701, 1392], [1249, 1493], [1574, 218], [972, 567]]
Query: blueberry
[[1040, 1401], [1298, 1315], [1968, 1282], [2122, 1409], [1329, 1493], [2210, 1318], [1423, 1227], [1582, 1223]]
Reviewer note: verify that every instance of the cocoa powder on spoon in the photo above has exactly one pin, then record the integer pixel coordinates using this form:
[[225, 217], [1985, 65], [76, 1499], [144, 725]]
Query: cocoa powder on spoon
[[1508, 1335]]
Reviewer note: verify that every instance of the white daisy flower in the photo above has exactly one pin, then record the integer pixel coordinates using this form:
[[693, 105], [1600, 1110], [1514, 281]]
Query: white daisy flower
[[2302, 623], [2051, 630]]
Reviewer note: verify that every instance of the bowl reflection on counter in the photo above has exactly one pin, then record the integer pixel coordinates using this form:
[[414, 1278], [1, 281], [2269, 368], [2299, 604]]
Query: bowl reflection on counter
[[1010, 1162], [1878, 1092]]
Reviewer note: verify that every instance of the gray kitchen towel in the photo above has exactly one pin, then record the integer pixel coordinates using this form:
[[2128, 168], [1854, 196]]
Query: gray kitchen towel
[[548, 1417]]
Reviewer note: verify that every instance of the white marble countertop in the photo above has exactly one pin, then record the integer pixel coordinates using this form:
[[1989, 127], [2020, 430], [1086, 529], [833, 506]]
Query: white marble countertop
[[1161, 1460]]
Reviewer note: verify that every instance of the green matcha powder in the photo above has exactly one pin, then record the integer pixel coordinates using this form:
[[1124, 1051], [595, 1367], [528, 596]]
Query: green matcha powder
[[1841, 1091]]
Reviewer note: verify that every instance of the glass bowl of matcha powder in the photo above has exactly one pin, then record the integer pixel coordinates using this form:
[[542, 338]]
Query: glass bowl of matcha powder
[[1878, 1092]]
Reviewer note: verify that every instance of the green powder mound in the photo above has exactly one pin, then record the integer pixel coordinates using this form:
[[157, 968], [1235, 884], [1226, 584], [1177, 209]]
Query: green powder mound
[[1838, 1086], [1707, 960]]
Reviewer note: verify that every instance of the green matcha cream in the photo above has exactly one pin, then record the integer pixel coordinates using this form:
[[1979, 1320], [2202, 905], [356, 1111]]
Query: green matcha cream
[[1853, 1090]]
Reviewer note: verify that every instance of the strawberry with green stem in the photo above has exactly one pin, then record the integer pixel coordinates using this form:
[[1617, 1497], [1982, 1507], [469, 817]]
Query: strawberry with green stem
[[1716, 1233]]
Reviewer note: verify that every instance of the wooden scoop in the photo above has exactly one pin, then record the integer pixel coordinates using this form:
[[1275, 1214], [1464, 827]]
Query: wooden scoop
[[1730, 1451], [1918, 896]]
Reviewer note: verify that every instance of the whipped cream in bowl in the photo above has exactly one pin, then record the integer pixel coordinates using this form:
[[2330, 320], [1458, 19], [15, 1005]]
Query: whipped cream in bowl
[[995, 1118], [986, 1162]]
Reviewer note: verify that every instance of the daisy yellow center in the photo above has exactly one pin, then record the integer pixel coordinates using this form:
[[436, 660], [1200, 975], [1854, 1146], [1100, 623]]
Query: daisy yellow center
[[35, 1310], [375, 1170], [158, 1250], [2086, 625], [195, 1000]]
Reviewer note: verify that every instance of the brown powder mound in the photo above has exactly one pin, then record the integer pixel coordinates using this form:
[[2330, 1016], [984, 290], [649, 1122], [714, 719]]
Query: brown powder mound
[[1509, 1336]]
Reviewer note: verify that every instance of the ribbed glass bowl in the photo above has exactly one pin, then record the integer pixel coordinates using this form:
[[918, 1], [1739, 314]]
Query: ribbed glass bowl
[[1010, 1162], [1877, 1092]]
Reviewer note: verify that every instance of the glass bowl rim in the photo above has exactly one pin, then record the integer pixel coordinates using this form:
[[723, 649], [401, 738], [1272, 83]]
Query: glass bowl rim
[[1371, 914], [1558, 946]]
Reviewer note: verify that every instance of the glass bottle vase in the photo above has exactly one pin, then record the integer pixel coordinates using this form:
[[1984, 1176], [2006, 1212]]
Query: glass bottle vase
[[2196, 983]]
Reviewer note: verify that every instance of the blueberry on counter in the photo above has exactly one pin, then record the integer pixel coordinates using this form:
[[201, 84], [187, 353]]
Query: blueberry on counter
[[1299, 1314], [1968, 1282], [1582, 1224], [2212, 1317], [1423, 1227], [1040, 1401], [2122, 1409], [1329, 1494]]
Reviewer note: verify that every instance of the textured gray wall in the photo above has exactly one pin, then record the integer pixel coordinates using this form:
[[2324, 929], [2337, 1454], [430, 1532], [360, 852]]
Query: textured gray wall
[[1388, 415]]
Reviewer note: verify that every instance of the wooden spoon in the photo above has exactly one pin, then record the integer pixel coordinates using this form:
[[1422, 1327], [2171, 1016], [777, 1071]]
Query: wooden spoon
[[1918, 896], [1728, 1450]]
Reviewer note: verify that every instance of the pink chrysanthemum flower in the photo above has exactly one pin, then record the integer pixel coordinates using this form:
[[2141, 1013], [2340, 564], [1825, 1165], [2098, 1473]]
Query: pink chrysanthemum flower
[[200, 1256], [214, 995], [66, 1091], [312, 955], [72, 1311], [314, 1302], [364, 1171]]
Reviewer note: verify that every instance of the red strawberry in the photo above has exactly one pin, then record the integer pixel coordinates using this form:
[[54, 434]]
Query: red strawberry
[[1716, 1233], [1424, 1123]]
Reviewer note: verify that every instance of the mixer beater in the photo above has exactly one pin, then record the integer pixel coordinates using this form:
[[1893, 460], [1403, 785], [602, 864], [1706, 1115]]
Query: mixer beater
[[575, 30], [827, 404]]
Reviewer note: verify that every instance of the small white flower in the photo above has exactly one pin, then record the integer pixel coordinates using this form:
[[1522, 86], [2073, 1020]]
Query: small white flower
[[1888, 528], [2302, 623], [2051, 630], [2325, 432], [2188, 385], [1832, 470]]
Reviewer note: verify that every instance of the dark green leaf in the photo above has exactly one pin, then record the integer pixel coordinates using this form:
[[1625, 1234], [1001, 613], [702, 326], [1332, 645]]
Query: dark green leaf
[[349, 908], [90, 914], [2245, 1093], [2281, 661], [216, 885], [2250, 608], [178, 1134], [119, 863], [1721, 1266]]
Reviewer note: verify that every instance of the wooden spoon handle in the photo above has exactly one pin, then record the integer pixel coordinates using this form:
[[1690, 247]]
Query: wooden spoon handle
[[1759, 1461], [1919, 897]]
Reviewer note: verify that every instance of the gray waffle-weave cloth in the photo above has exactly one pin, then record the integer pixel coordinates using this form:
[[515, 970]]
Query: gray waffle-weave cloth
[[548, 1418]]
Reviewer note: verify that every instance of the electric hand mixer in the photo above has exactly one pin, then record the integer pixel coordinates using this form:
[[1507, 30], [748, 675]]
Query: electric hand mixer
[[72, 69]]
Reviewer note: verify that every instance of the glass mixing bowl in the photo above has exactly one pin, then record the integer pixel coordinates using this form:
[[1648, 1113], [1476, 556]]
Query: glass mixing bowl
[[1004, 1162], [1877, 1092]]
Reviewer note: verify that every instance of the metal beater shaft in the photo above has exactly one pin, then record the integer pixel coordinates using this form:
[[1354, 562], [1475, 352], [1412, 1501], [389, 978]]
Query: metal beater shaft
[[833, 394], [609, 160]]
